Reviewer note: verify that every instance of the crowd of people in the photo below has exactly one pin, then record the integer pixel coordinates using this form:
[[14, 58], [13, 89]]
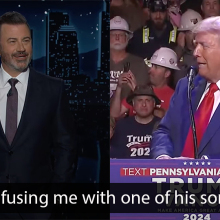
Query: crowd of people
[[152, 46]]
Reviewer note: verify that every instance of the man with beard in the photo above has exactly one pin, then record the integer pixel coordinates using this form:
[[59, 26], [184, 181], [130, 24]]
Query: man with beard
[[36, 124], [210, 8], [158, 32], [121, 61]]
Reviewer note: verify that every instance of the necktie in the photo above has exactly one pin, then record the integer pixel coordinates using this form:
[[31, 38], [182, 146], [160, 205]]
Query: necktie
[[202, 117], [11, 111]]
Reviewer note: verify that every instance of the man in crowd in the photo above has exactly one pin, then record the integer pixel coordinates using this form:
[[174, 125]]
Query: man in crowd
[[174, 138], [163, 62], [210, 8], [132, 135], [120, 108], [158, 32], [120, 60], [185, 46]]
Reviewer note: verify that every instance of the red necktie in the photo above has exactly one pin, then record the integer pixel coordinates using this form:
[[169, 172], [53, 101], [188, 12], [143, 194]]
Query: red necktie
[[202, 117]]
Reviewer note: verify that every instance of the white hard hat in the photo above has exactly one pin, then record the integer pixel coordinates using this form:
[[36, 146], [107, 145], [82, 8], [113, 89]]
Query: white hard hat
[[118, 23], [189, 19], [165, 57]]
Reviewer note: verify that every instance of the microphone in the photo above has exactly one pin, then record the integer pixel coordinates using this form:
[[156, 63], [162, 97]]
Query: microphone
[[9, 93], [192, 72]]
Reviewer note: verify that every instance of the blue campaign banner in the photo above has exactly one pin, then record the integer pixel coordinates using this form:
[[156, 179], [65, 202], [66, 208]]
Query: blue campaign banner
[[164, 216], [157, 171], [148, 171]]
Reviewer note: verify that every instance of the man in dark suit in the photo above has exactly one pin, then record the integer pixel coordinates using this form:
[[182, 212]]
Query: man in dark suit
[[36, 124], [174, 137]]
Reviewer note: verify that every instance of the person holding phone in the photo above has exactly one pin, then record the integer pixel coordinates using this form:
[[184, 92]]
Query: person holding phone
[[163, 63], [121, 61]]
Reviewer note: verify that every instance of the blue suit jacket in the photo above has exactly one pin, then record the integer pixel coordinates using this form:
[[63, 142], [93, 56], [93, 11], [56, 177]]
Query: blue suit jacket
[[170, 137]]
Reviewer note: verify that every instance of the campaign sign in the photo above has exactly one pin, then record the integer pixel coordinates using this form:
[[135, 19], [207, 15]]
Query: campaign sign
[[165, 171]]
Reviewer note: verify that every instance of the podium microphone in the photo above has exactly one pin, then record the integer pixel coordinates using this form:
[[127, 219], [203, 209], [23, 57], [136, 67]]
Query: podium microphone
[[192, 72]]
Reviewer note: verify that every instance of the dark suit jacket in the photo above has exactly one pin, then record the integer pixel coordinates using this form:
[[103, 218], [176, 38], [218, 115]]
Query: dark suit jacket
[[45, 127], [171, 135]]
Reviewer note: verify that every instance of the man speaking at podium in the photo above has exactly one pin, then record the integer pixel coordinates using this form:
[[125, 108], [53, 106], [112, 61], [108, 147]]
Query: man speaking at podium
[[174, 137]]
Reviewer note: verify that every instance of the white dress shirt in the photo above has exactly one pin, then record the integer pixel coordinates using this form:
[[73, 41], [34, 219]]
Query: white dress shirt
[[216, 99], [21, 87], [216, 103]]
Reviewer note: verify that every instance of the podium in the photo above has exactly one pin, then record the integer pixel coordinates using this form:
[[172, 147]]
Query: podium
[[169, 171], [148, 171]]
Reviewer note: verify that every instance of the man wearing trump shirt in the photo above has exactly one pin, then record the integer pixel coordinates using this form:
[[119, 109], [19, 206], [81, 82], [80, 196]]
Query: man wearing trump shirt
[[174, 139]]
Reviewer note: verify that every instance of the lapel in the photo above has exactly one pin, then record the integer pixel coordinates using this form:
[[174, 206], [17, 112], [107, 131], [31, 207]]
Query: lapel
[[199, 87], [3, 137], [33, 94], [211, 129], [200, 84]]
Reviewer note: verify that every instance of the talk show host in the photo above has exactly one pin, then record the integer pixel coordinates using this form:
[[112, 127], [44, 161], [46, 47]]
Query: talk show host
[[37, 142], [174, 138]]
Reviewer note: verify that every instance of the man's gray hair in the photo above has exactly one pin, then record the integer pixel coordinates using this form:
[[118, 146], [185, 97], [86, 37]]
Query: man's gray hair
[[211, 25]]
